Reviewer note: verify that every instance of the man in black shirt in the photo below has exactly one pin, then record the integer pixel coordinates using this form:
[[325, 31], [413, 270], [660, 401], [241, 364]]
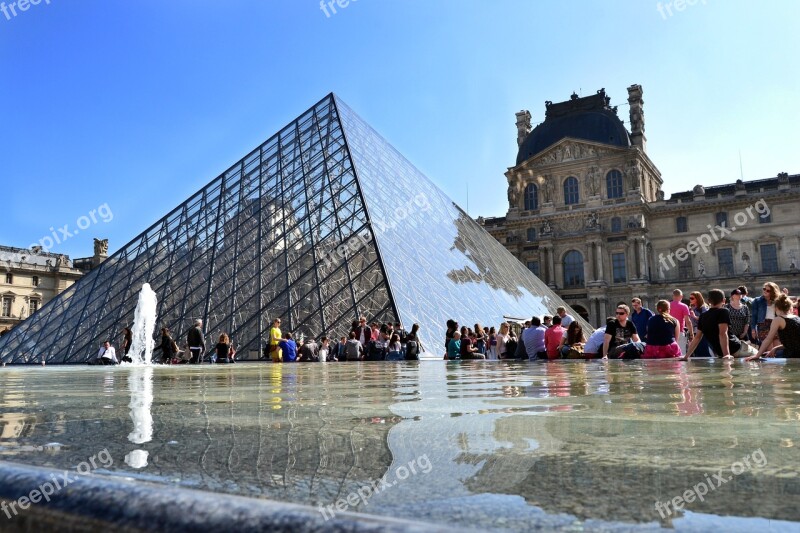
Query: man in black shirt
[[621, 338], [714, 325]]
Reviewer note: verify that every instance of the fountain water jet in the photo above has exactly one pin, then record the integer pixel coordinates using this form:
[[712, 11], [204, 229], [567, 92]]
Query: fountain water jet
[[144, 324]]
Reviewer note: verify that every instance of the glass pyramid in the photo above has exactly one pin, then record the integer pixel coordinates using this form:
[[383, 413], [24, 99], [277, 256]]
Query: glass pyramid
[[322, 223]]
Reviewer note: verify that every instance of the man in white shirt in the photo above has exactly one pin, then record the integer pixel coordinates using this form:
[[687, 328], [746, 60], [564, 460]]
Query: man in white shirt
[[566, 319], [594, 346], [107, 355]]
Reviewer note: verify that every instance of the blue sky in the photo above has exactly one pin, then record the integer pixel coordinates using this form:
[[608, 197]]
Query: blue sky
[[138, 104]]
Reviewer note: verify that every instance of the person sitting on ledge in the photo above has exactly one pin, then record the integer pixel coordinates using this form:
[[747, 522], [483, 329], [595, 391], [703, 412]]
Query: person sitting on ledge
[[107, 355], [787, 328], [288, 349], [714, 325], [621, 339], [663, 332]]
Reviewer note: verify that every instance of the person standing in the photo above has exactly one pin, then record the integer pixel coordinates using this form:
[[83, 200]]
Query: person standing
[[640, 316], [664, 332], [197, 343], [127, 340], [275, 353], [786, 327], [491, 352], [413, 346], [566, 319], [714, 325], [169, 348], [680, 312], [740, 315]]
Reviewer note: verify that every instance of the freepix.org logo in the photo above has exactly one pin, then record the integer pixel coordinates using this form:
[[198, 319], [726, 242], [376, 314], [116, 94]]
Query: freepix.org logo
[[12, 9]]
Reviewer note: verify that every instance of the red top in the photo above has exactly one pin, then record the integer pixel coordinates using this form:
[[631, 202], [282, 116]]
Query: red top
[[552, 338]]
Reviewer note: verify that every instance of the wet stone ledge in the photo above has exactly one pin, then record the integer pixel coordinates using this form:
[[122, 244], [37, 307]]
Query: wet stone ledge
[[98, 503]]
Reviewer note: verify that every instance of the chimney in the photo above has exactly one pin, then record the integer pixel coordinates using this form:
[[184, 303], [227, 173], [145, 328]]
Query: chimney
[[523, 125], [637, 117]]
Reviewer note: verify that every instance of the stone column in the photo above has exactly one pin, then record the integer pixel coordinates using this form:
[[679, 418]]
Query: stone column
[[551, 267], [599, 260], [643, 258]]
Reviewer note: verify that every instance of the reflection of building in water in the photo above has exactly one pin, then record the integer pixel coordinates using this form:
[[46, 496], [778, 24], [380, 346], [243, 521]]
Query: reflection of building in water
[[14, 426], [277, 431], [614, 463]]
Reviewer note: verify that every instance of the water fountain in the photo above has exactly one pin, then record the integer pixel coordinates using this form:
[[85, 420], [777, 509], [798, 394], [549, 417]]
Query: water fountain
[[144, 323]]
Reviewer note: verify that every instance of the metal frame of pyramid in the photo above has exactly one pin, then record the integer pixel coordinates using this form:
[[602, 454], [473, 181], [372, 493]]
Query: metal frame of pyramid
[[321, 224]]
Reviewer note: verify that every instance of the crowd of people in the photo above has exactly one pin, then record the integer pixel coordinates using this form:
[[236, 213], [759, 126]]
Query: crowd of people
[[697, 326], [374, 342], [712, 326]]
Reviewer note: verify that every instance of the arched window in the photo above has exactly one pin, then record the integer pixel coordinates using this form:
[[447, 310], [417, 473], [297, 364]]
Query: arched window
[[531, 197], [614, 184], [571, 195], [531, 234], [616, 225], [573, 269]]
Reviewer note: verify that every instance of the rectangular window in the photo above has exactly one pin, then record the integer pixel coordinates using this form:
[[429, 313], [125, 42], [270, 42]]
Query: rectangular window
[[533, 266], [681, 225], [35, 281], [722, 219], [765, 218], [685, 269], [725, 260], [769, 258], [618, 268], [7, 306], [9, 278]]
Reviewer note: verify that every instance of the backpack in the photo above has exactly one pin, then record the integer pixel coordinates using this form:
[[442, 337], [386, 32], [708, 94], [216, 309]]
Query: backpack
[[377, 351], [511, 348], [412, 351]]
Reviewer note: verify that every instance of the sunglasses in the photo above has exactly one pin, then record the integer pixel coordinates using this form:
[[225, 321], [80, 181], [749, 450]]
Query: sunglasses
[[621, 312]]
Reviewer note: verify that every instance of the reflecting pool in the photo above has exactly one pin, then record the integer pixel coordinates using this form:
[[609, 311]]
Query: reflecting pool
[[497, 445]]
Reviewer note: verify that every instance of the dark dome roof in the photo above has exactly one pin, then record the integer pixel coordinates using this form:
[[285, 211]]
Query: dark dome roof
[[587, 118]]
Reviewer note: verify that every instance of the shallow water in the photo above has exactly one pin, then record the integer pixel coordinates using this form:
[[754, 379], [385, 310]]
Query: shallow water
[[474, 444]]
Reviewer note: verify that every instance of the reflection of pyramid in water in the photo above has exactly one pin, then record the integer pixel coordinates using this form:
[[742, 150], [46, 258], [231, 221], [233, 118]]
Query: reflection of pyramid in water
[[322, 223]]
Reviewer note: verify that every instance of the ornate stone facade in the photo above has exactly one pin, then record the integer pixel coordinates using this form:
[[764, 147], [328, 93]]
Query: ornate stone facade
[[28, 280], [590, 217]]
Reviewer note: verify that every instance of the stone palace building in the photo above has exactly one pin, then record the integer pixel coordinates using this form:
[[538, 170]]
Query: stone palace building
[[587, 214]]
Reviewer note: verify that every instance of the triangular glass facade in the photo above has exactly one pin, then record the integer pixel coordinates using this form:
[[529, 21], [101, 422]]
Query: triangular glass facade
[[322, 223]]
